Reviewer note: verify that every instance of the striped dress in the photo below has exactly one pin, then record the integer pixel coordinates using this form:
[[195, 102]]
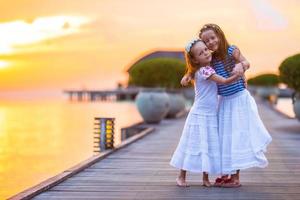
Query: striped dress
[[224, 69], [243, 137]]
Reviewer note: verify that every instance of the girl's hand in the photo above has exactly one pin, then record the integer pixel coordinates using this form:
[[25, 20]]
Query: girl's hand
[[185, 80], [238, 69]]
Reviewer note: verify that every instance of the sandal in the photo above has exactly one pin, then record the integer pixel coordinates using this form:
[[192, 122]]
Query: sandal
[[230, 183], [219, 182]]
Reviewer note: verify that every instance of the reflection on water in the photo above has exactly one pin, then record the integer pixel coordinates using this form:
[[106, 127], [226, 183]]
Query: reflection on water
[[41, 139], [285, 105]]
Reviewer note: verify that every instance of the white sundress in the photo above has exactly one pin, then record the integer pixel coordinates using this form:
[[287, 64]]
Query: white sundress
[[243, 136], [199, 149]]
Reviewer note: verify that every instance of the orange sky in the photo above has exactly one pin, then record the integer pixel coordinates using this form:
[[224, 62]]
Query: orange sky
[[59, 44]]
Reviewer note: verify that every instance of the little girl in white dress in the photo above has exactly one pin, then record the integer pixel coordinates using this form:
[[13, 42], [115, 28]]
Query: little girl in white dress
[[199, 148]]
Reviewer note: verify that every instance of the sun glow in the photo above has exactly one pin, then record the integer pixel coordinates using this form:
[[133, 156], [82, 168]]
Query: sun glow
[[3, 64], [18, 33]]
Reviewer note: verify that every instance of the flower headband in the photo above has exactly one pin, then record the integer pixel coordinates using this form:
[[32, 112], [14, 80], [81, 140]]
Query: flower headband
[[207, 27], [189, 46]]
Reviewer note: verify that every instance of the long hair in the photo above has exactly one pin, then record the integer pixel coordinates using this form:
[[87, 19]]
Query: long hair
[[191, 67], [221, 53]]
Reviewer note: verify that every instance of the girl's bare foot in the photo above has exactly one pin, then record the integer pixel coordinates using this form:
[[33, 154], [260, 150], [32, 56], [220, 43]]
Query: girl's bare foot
[[181, 182], [205, 179], [206, 183]]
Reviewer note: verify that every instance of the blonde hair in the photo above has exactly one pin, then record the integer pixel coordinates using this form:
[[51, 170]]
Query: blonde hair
[[221, 53]]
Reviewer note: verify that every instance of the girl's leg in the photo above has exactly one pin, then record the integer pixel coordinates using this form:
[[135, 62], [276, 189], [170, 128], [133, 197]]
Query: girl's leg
[[206, 182], [180, 180]]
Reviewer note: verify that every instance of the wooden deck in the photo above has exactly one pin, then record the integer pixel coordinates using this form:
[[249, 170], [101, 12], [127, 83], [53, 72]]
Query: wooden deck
[[142, 171]]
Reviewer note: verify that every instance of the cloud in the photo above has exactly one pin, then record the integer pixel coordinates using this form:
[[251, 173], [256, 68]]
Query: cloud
[[267, 17], [20, 32]]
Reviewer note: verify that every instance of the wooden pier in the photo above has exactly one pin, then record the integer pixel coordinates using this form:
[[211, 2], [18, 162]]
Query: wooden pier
[[142, 171], [102, 95]]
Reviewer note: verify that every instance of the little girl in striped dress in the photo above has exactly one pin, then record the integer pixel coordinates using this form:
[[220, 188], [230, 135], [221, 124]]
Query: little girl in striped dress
[[243, 137], [199, 148]]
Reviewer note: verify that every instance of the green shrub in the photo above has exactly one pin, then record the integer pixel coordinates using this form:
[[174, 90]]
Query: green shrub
[[264, 80], [157, 72], [289, 71]]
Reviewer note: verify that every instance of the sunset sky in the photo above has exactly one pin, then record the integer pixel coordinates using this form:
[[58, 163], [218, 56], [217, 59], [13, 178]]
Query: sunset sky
[[52, 45]]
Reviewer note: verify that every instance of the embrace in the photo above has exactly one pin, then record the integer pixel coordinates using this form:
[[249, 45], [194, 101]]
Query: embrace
[[223, 132]]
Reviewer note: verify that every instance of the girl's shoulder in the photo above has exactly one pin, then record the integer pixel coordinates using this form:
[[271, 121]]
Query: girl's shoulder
[[206, 72], [231, 49]]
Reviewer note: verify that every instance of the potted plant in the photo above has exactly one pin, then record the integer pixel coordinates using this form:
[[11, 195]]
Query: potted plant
[[289, 71], [156, 76], [265, 86]]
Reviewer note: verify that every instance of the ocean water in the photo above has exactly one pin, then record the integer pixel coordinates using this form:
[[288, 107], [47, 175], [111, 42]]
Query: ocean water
[[41, 138]]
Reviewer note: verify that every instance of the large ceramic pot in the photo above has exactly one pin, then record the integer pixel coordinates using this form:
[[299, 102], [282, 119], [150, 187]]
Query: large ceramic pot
[[269, 93], [189, 93], [177, 103], [153, 104], [297, 105], [252, 89]]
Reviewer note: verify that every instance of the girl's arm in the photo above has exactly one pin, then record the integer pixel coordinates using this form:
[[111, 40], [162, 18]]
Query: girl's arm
[[242, 63], [221, 80], [186, 79]]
